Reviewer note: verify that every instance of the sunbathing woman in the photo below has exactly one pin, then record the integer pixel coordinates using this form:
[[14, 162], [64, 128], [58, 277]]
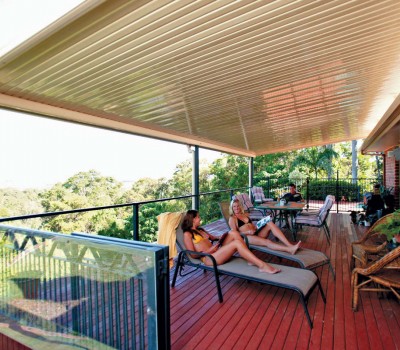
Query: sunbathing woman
[[197, 239], [240, 221]]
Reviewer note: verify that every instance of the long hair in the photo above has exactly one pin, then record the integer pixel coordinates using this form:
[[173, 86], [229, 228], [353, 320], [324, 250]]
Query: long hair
[[187, 222], [231, 206]]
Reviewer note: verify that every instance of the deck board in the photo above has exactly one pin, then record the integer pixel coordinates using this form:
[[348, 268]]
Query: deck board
[[256, 316]]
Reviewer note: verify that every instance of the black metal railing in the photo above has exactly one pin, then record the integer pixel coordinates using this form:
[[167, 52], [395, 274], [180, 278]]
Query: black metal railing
[[348, 193], [142, 215], [209, 207]]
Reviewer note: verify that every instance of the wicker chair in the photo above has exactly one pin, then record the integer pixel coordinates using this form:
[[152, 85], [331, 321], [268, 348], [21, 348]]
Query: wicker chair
[[381, 276], [370, 247]]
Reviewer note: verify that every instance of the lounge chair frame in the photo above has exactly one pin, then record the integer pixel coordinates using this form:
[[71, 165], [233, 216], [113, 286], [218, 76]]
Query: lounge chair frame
[[308, 259], [238, 267]]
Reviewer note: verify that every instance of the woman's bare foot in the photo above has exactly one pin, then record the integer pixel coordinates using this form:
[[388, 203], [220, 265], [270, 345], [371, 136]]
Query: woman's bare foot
[[269, 269], [295, 248]]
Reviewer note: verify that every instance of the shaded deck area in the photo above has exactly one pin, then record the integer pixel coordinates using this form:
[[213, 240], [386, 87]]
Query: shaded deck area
[[255, 316]]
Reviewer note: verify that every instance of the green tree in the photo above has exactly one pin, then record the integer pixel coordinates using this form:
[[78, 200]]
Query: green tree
[[343, 162], [367, 167], [315, 160], [230, 172], [83, 190], [148, 188], [329, 160], [14, 202], [277, 165]]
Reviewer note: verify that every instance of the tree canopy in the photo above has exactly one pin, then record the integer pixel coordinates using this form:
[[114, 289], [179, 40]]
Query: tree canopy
[[91, 189]]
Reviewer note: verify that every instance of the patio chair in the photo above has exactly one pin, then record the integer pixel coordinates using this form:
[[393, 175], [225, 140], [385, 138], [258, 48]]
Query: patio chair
[[258, 195], [254, 214], [298, 280], [371, 247], [317, 219], [381, 276], [306, 258]]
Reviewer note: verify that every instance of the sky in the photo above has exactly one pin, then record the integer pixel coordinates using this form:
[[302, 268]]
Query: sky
[[38, 152]]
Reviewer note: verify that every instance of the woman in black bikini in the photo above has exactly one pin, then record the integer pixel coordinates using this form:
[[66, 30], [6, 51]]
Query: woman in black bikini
[[240, 221], [199, 240]]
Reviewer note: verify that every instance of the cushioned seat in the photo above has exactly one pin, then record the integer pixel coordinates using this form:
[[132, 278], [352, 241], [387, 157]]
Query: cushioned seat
[[306, 258], [319, 218]]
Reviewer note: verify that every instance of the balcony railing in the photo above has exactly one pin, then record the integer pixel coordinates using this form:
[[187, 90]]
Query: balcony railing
[[83, 291], [348, 194]]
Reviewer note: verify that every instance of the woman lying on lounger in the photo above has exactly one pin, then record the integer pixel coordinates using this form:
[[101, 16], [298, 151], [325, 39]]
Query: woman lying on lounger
[[240, 221], [199, 240]]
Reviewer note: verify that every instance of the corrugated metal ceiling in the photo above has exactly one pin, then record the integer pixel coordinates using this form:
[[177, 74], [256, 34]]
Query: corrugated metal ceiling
[[246, 77]]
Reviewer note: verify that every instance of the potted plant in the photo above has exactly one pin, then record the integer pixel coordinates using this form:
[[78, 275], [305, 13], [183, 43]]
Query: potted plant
[[391, 228]]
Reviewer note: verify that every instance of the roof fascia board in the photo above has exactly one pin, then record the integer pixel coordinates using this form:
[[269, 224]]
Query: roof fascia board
[[386, 123]]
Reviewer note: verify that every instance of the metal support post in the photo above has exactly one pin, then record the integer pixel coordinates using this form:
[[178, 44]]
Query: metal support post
[[195, 179]]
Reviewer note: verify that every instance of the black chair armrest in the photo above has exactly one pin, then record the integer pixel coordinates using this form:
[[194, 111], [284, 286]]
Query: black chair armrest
[[188, 252]]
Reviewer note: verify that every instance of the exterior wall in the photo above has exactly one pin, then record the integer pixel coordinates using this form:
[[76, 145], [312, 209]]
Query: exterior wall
[[392, 176]]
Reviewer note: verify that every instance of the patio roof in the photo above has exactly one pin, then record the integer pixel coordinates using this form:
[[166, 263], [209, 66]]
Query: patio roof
[[243, 77]]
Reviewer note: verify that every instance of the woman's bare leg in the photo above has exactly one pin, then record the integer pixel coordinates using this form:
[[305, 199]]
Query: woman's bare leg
[[225, 253], [265, 242], [276, 231], [232, 235]]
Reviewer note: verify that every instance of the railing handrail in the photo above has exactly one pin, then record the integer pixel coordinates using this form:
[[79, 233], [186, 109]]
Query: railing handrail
[[114, 206]]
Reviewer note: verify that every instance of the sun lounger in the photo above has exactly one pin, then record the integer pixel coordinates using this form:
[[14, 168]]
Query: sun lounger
[[306, 258], [301, 281]]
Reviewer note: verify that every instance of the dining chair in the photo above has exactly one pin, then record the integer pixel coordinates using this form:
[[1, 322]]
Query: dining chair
[[319, 218], [258, 195]]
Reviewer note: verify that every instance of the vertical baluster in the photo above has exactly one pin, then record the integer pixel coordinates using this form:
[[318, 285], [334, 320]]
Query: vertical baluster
[[110, 311]]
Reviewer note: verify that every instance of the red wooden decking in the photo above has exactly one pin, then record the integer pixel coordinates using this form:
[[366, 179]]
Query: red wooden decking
[[255, 316]]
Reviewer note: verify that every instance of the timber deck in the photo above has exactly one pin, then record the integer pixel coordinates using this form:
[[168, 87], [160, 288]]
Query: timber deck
[[255, 316]]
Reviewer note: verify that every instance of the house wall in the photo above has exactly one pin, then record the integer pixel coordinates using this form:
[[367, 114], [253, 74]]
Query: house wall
[[392, 176]]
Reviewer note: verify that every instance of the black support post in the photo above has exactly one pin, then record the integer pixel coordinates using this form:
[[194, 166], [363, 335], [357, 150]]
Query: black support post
[[195, 179], [251, 174]]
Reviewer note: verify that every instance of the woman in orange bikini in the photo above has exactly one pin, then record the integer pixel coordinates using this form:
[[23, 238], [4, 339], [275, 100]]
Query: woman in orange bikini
[[197, 239], [240, 221]]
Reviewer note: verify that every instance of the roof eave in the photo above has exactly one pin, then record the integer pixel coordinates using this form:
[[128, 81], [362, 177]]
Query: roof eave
[[44, 110], [386, 134]]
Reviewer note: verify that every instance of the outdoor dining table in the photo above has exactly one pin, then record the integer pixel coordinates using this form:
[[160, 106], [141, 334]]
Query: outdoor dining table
[[278, 209]]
